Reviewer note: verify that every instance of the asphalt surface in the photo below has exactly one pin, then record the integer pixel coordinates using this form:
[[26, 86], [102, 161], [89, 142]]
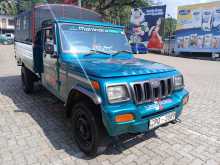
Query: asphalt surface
[[34, 130]]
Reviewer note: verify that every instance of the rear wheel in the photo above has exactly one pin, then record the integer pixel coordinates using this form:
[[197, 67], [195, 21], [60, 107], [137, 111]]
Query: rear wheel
[[27, 80], [86, 128]]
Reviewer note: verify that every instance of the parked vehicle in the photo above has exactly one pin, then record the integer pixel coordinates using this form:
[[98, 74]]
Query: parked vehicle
[[89, 66], [4, 40], [9, 36], [198, 30], [138, 48]]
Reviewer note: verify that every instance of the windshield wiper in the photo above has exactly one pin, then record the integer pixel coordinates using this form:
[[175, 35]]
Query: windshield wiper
[[122, 51], [91, 52]]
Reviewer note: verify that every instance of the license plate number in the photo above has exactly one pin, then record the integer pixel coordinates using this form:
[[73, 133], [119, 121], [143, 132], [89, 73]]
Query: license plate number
[[155, 122]]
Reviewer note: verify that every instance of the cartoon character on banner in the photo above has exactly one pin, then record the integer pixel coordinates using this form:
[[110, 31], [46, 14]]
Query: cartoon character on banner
[[155, 40], [200, 41], [139, 26], [215, 42]]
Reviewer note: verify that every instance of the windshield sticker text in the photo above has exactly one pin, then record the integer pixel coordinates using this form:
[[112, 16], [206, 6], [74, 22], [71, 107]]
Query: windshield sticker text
[[94, 29]]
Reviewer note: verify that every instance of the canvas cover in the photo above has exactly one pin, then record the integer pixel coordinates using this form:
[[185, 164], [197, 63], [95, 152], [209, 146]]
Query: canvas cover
[[41, 13]]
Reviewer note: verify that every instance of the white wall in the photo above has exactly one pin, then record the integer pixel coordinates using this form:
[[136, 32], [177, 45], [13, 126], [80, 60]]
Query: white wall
[[7, 26]]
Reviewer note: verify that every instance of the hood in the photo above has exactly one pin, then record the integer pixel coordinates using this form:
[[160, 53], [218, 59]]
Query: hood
[[113, 67]]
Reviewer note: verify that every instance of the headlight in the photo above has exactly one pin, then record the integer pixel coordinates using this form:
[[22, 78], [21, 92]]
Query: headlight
[[117, 93], [178, 82]]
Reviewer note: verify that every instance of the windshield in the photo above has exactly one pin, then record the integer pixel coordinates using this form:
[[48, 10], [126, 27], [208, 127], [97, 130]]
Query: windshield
[[82, 38]]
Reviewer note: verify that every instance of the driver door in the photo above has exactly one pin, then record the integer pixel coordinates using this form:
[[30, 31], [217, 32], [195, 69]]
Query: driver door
[[50, 60]]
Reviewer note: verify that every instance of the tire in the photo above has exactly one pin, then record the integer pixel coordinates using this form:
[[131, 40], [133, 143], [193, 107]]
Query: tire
[[86, 128], [27, 80]]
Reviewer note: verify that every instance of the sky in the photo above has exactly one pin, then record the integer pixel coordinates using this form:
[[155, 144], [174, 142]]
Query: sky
[[172, 5]]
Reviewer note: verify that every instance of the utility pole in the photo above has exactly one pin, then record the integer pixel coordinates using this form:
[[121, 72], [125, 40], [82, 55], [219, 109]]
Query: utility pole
[[79, 3], [1, 21], [1, 26], [170, 34]]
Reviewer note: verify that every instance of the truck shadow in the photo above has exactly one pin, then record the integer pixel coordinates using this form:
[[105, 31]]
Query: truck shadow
[[124, 142], [48, 114]]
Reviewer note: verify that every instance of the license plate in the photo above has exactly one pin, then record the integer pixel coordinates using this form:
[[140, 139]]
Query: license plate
[[155, 122]]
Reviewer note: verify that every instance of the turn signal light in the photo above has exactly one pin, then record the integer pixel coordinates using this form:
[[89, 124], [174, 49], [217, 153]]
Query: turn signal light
[[185, 100], [124, 118], [95, 85]]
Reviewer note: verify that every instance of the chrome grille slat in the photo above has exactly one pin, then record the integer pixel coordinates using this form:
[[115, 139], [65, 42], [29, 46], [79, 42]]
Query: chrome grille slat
[[148, 91], [160, 91], [143, 93], [166, 88]]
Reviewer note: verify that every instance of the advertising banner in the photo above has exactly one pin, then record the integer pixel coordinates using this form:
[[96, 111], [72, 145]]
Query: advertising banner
[[198, 28], [147, 26]]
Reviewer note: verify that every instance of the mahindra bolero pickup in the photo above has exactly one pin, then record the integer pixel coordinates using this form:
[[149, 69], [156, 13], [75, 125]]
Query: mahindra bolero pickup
[[89, 66]]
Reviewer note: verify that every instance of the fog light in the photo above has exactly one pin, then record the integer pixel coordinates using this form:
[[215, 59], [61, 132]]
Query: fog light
[[185, 100], [124, 118]]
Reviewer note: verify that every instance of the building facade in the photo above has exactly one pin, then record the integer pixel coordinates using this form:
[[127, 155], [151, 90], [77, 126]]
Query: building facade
[[6, 24]]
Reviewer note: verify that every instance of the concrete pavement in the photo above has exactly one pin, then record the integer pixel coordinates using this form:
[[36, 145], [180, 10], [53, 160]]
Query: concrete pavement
[[34, 130]]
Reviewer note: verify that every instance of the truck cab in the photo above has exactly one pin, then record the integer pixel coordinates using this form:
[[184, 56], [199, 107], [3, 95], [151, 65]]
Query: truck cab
[[89, 66]]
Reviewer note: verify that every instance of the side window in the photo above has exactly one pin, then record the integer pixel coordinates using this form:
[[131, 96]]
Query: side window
[[49, 41], [49, 37], [10, 22]]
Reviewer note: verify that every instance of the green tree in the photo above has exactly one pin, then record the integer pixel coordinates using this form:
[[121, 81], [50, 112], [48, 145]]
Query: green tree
[[23, 5], [102, 5], [116, 11], [169, 27], [11, 7], [8, 7]]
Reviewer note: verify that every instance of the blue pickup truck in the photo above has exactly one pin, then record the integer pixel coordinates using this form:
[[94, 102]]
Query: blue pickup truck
[[89, 66]]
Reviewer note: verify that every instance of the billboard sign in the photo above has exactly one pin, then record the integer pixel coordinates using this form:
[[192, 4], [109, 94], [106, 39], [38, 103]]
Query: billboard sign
[[147, 26], [198, 28]]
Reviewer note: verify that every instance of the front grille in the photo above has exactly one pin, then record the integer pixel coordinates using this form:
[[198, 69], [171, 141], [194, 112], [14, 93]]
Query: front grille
[[148, 91]]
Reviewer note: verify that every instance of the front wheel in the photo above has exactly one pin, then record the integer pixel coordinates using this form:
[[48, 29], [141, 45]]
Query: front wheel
[[86, 128]]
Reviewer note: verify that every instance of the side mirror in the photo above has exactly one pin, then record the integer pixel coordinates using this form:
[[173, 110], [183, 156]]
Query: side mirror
[[49, 49]]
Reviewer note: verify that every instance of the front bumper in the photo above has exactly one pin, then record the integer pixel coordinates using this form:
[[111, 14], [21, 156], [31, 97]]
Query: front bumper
[[143, 113]]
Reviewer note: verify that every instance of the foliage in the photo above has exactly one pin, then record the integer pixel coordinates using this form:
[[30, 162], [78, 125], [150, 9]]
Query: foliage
[[8, 7], [23, 5], [169, 27], [116, 11]]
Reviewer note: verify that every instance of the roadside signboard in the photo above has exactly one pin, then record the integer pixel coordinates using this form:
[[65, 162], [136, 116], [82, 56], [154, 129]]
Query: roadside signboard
[[147, 26], [198, 28]]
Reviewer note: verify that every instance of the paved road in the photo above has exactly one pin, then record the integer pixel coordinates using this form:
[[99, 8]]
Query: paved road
[[33, 129]]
